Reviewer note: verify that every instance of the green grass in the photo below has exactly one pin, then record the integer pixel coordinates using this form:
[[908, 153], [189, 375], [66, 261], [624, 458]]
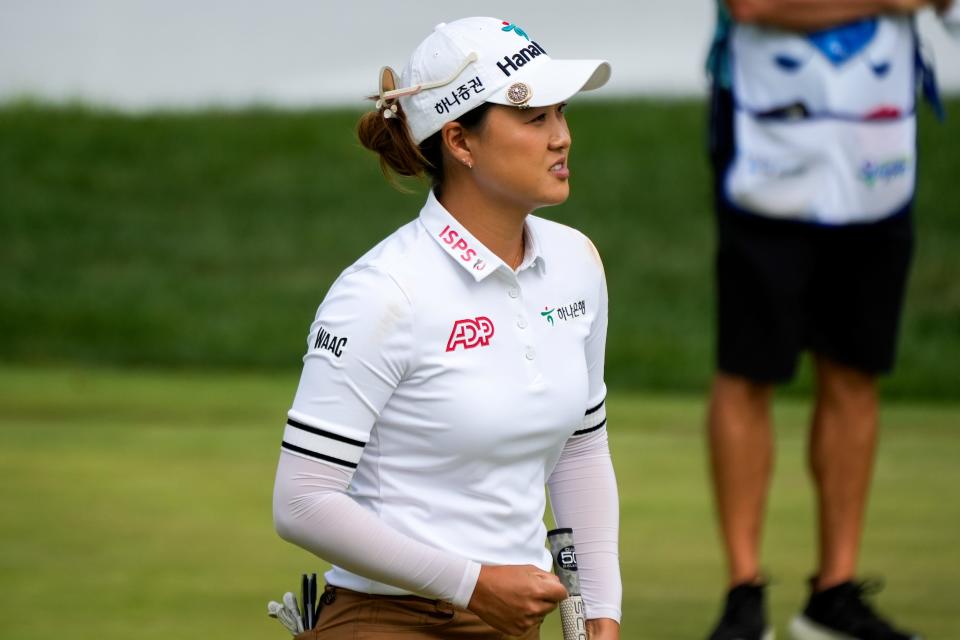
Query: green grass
[[208, 239], [136, 504]]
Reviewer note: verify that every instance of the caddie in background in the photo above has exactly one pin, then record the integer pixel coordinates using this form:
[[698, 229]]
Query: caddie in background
[[457, 368], [813, 144]]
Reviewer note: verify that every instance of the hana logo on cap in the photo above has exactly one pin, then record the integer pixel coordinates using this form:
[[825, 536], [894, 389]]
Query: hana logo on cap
[[509, 26], [468, 62]]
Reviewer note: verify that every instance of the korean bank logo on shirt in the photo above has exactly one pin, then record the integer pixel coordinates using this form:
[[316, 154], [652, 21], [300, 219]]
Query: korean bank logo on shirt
[[548, 314], [564, 313]]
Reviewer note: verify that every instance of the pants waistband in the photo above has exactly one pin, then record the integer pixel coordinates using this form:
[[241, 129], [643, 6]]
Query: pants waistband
[[331, 593]]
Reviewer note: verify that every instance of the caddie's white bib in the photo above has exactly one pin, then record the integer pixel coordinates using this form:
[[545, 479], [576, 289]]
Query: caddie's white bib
[[824, 125]]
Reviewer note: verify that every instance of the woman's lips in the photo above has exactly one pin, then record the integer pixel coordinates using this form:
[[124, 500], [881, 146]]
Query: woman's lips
[[560, 170]]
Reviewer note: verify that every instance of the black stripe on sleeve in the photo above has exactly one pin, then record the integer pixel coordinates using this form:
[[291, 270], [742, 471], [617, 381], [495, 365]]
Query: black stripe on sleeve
[[325, 434], [318, 456], [596, 408], [590, 429]]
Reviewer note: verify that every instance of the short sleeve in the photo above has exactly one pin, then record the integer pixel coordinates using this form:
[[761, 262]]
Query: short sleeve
[[595, 414], [358, 351]]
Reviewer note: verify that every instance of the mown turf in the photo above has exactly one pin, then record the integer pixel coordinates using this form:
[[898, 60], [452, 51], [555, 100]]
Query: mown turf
[[208, 239], [137, 505]]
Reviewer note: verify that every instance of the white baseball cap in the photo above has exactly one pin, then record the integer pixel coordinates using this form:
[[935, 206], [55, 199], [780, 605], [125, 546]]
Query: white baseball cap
[[465, 63]]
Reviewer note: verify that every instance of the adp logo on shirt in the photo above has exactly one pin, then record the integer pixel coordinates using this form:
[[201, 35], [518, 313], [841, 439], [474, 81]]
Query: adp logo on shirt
[[470, 333]]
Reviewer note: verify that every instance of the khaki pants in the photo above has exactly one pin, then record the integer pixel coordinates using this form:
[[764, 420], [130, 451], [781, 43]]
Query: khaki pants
[[349, 615]]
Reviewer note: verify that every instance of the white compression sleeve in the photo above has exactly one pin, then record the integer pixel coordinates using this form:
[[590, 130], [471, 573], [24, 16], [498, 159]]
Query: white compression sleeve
[[583, 495], [312, 510]]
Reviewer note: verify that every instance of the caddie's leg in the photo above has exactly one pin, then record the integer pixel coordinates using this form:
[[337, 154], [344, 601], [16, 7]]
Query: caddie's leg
[[741, 457], [842, 446]]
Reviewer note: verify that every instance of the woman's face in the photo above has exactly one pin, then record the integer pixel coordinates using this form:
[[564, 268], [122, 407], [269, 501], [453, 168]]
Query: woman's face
[[520, 155]]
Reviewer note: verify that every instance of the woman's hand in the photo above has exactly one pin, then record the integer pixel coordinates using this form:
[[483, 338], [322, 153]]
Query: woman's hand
[[514, 598], [603, 629]]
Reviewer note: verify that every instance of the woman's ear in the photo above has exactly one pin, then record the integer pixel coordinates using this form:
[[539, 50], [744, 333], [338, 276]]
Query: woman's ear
[[454, 137]]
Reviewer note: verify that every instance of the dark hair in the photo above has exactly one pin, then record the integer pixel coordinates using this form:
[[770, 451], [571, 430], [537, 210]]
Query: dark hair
[[390, 138]]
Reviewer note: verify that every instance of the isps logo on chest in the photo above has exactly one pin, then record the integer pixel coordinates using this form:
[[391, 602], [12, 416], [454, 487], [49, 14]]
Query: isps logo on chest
[[470, 332]]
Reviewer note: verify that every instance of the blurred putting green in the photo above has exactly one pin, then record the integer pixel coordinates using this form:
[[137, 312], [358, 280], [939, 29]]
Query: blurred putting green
[[137, 505]]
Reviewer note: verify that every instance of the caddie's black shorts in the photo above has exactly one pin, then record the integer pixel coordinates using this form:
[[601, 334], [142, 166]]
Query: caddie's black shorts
[[785, 286]]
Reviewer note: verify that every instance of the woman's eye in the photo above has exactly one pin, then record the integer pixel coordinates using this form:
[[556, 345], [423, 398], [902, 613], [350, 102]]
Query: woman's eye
[[540, 118]]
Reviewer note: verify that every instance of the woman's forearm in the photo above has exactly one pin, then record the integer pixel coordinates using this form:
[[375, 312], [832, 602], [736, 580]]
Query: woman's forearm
[[312, 510], [583, 495]]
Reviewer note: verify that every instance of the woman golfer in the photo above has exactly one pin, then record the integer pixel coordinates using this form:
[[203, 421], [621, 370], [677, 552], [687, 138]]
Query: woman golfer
[[457, 368]]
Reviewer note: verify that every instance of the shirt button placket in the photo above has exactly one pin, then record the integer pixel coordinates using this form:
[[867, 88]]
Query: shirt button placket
[[529, 353]]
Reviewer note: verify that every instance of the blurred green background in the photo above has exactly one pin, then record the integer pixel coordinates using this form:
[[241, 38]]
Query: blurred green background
[[208, 240], [158, 273]]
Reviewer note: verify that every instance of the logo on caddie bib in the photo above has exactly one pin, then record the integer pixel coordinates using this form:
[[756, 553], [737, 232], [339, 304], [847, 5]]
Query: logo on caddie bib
[[883, 172]]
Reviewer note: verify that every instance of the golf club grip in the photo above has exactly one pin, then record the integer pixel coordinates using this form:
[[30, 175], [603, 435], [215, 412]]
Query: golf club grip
[[564, 556]]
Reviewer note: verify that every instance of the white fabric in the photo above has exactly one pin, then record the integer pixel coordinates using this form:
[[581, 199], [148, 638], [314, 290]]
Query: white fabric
[[848, 160], [850, 90], [951, 19], [305, 440], [505, 54], [823, 170], [312, 510], [595, 418], [583, 495], [460, 380]]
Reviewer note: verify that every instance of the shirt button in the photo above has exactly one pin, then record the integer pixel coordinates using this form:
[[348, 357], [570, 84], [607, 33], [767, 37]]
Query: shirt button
[[531, 354], [522, 322], [514, 292]]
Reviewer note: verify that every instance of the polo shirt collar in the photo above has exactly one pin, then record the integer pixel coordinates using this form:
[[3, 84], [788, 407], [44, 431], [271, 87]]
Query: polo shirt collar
[[532, 254], [468, 252]]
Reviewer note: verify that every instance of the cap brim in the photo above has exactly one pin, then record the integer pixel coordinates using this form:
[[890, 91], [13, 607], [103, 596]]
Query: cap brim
[[555, 81]]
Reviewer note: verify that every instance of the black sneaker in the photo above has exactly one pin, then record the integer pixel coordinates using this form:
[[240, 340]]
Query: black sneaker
[[744, 615], [840, 613]]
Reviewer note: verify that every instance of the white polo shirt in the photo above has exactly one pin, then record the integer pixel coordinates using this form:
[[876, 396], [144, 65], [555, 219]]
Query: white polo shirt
[[451, 383]]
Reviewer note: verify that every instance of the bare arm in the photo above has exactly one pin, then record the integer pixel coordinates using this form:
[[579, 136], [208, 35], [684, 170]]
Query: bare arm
[[813, 15]]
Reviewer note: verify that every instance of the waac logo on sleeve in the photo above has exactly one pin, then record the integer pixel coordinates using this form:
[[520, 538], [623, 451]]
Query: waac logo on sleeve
[[470, 333], [329, 342]]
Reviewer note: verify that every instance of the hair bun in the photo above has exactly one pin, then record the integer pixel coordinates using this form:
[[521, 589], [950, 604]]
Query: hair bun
[[385, 132]]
